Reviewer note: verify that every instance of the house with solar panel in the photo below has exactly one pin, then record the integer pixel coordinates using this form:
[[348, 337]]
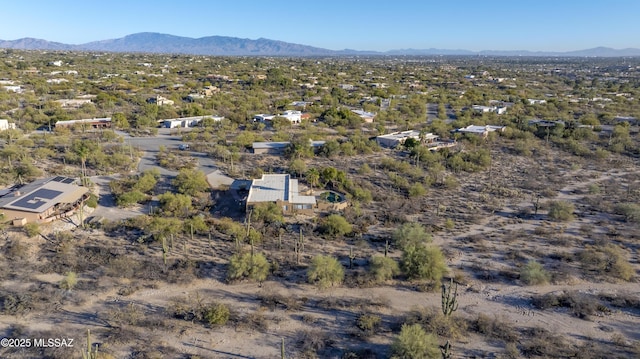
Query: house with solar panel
[[282, 190], [42, 201]]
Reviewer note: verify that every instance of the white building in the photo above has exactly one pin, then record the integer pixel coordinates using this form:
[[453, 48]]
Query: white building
[[282, 190], [187, 122], [533, 101], [5, 125], [480, 130], [485, 109], [395, 139], [292, 116], [366, 116]]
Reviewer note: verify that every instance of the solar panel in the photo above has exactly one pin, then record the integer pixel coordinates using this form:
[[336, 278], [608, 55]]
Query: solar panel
[[58, 179], [36, 199], [68, 180]]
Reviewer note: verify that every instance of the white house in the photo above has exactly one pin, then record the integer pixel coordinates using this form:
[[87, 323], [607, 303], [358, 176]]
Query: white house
[[187, 122], [480, 130], [366, 116], [395, 139], [533, 101], [485, 109], [292, 116], [5, 125]]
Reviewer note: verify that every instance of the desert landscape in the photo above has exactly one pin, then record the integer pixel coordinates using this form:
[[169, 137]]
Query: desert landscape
[[518, 241]]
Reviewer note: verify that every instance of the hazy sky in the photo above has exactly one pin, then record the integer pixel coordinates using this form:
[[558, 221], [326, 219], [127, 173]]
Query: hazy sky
[[541, 25]]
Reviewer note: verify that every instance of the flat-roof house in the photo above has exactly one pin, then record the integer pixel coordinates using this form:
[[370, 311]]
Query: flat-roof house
[[104, 122], [160, 100], [42, 201], [484, 109], [367, 117], [282, 190], [533, 101], [293, 116], [187, 122], [479, 130], [395, 139]]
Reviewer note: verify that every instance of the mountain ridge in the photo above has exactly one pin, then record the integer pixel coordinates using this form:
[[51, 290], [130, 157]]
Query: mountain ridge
[[152, 42]]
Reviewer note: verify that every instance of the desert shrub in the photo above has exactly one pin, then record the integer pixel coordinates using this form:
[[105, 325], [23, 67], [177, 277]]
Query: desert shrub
[[411, 233], [313, 340], [69, 281], [335, 226], [31, 229], [368, 323], [254, 267], [273, 301], [561, 210], [413, 342], [217, 314], [423, 262], [253, 321], [630, 211], [417, 190], [580, 305], [325, 271], [434, 321], [92, 201], [383, 268], [607, 260], [494, 328], [534, 274]]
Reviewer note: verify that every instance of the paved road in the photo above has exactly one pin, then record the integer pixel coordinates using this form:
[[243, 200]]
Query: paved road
[[432, 113], [150, 146]]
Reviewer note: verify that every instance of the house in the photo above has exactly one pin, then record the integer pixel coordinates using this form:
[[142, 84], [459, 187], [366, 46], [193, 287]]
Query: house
[[484, 109], [293, 116], [5, 125], [73, 103], [367, 117], [282, 190], [261, 117], [536, 102], [93, 122], [42, 201], [545, 123], [160, 101], [277, 148], [395, 139], [187, 122], [479, 130]]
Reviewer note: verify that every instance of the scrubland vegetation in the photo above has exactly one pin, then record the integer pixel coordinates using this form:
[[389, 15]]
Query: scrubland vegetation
[[523, 243]]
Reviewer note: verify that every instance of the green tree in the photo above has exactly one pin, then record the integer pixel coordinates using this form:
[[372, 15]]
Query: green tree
[[254, 267], [325, 271], [297, 167], [423, 262], [191, 182], [217, 314], [119, 121], [336, 226], [413, 342]]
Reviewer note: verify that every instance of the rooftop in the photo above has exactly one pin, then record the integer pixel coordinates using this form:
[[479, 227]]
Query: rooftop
[[41, 195], [277, 187]]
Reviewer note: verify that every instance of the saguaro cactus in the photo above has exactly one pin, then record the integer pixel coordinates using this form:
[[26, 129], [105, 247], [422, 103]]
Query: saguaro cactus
[[446, 350], [90, 353], [449, 298]]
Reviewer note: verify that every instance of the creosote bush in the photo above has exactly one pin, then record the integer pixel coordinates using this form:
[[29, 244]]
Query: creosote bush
[[561, 211], [325, 271]]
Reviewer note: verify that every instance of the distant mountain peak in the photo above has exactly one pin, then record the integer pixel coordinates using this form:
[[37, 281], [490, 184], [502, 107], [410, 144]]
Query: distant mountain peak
[[153, 42]]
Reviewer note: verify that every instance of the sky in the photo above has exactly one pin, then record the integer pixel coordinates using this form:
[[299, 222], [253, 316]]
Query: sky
[[543, 25]]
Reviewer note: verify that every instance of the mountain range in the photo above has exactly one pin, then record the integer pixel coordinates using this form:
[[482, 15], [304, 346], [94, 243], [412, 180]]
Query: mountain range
[[149, 42]]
